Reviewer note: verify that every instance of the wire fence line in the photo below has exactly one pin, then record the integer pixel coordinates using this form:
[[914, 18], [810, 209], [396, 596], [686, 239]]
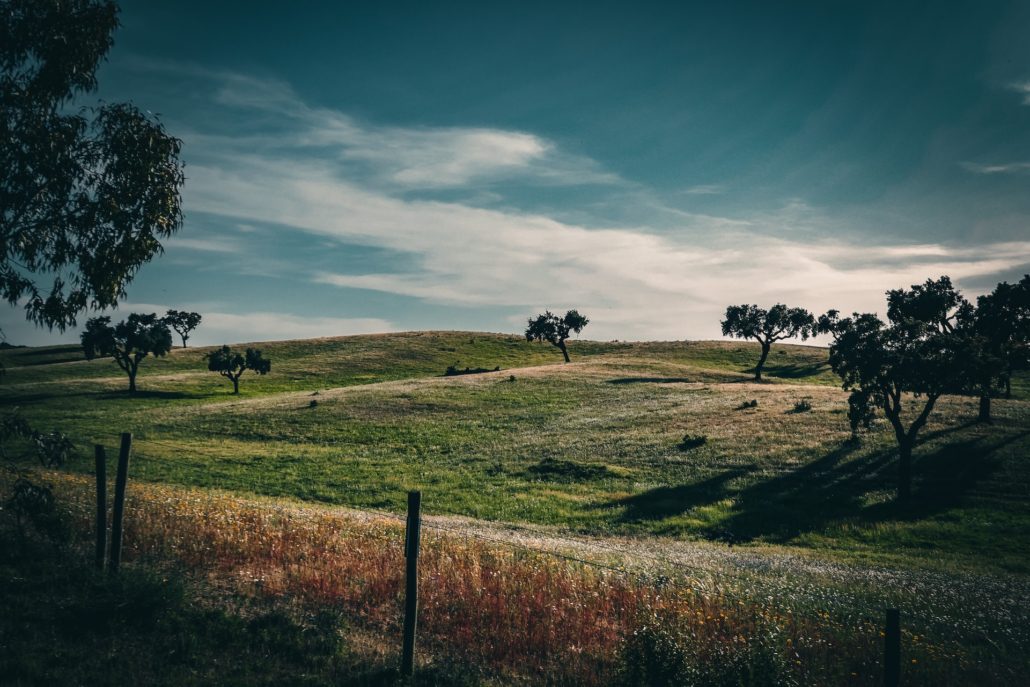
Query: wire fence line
[[666, 570], [323, 575]]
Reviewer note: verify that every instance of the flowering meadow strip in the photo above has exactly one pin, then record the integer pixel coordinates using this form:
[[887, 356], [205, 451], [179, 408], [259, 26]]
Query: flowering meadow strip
[[507, 610]]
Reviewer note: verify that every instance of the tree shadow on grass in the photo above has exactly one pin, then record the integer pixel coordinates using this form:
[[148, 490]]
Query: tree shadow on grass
[[652, 380], [664, 502], [793, 370], [829, 489], [149, 394]]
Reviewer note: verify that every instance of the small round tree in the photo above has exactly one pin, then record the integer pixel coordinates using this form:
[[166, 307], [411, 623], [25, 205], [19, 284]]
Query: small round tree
[[183, 322], [556, 330], [231, 364], [128, 342], [767, 326]]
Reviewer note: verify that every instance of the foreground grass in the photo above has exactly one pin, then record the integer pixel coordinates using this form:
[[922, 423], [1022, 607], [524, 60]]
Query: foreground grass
[[307, 582], [595, 446]]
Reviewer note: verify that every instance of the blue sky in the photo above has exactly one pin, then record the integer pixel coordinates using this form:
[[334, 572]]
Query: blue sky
[[362, 167]]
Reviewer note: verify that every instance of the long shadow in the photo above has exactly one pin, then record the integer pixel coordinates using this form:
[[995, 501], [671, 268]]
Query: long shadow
[[830, 489], [794, 370], [166, 395], [663, 502], [651, 380], [31, 357]]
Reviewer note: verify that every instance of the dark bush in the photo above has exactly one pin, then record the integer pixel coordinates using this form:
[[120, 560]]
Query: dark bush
[[753, 403], [692, 441], [802, 406]]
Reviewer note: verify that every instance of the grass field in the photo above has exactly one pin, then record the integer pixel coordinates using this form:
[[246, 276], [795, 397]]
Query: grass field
[[594, 447], [641, 456]]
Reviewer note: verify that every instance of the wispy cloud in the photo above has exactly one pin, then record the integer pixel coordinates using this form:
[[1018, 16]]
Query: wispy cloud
[[408, 158], [705, 190], [1023, 88], [1004, 168], [319, 172]]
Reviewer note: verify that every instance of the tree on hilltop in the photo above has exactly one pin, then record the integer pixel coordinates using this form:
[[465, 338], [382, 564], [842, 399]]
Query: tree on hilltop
[[183, 322], [128, 342], [767, 326], [556, 330], [231, 364], [86, 193]]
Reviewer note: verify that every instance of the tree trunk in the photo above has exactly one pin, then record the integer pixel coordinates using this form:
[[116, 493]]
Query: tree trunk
[[905, 472], [564, 351], [761, 361], [184, 337], [1008, 384], [235, 385], [132, 381], [985, 409]]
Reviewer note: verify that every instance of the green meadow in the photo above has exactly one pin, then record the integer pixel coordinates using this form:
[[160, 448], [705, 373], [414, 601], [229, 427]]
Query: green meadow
[[594, 447]]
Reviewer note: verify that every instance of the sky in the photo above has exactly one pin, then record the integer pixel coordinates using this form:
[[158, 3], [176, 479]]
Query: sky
[[368, 167]]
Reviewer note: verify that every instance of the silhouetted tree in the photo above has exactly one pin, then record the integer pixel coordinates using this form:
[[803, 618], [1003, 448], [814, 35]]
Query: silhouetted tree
[[997, 341], [556, 330], [128, 342], [182, 322], [85, 193], [232, 365], [884, 365], [767, 326]]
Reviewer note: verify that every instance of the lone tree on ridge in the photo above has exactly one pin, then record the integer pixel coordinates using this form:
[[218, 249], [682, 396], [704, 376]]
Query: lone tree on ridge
[[128, 342], [231, 364], [183, 322], [556, 330], [767, 326]]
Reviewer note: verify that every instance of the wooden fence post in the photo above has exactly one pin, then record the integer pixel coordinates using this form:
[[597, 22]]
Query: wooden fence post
[[119, 503], [411, 548], [892, 649], [101, 461]]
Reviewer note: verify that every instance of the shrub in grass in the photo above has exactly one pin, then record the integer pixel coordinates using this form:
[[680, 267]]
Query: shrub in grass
[[802, 406], [753, 403], [692, 441], [558, 470]]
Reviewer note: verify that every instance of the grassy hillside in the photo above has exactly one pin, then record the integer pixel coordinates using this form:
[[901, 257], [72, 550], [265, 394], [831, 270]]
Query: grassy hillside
[[596, 446]]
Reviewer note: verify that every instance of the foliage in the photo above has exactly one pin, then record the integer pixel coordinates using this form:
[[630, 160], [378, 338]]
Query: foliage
[[128, 342], [690, 441], [86, 194], [53, 449], [753, 403], [183, 322], [231, 364], [767, 326], [996, 341], [556, 330], [13, 426], [802, 406], [916, 353], [34, 506]]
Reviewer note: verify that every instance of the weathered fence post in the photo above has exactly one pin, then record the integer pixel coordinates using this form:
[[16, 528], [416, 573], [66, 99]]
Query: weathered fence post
[[411, 547], [892, 649], [119, 502], [101, 460]]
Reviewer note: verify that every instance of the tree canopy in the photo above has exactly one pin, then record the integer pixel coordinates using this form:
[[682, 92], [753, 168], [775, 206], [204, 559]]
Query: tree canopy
[[86, 193], [183, 322], [912, 358], [231, 364], [556, 330], [128, 342], [767, 326]]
